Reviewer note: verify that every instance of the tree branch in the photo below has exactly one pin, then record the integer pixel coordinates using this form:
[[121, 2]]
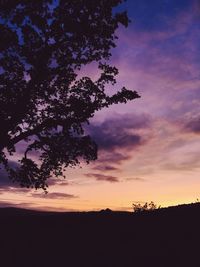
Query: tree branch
[[48, 123]]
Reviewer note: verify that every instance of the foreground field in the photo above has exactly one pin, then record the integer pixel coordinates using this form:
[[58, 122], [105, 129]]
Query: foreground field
[[166, 237]]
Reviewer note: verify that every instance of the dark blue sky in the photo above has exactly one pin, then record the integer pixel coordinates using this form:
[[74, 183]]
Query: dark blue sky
[[149, 15]]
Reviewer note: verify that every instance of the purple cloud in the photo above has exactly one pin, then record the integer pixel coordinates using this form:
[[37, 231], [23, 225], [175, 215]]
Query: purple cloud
[[110, 178], [102, 177], [108, 141], [193, 125], [117, 132], [105, 168], [117, 138], [112, 157]]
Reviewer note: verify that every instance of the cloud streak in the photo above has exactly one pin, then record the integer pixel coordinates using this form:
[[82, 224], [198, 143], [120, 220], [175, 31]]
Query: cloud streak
[[53, 195], [102, 177]]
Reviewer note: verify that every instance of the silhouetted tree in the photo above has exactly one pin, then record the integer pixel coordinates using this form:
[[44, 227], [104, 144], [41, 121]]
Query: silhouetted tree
[[43, 104]]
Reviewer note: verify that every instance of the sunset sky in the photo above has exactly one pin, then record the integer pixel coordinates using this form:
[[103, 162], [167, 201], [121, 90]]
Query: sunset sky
[[149, 149]]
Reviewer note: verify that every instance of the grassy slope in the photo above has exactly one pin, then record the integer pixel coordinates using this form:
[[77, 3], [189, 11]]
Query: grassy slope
[[166, 237]]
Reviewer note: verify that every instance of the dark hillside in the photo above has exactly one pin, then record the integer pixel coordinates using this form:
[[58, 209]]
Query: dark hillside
[[166, 237]]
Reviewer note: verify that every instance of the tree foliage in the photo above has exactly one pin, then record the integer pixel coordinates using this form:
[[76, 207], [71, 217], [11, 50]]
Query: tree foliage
[[43, 104]]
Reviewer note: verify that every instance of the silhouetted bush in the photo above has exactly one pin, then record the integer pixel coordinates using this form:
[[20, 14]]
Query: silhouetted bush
[[138, 207]]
